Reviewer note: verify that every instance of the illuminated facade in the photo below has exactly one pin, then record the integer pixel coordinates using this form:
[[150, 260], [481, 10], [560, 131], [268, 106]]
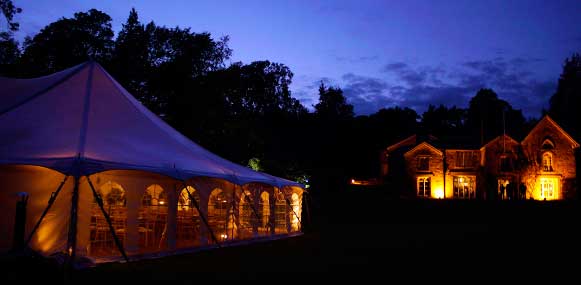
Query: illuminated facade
[[542, 167]]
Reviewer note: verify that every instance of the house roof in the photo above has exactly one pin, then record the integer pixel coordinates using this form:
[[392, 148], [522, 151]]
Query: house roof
[[411, 140], [547, 120], [426, 145], [498, 138]]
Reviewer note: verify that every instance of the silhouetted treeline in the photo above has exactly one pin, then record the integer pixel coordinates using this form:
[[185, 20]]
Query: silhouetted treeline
[[246, 111]]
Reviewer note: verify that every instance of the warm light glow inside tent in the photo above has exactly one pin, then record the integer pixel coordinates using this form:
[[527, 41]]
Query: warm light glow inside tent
[[107, 178]]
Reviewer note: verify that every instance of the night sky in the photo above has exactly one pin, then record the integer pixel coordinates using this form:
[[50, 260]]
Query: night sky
[[381, 53]]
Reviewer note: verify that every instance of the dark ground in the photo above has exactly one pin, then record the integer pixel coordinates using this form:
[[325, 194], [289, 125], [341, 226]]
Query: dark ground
[[367, 236]]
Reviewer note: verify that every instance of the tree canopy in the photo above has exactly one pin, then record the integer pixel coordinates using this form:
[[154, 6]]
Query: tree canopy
[[332, 104], [67, 42], [9, 51], [566, 102], [9, 10], [488, 117]]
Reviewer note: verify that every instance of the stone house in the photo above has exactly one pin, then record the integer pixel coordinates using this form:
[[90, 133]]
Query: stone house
[[542, 166]]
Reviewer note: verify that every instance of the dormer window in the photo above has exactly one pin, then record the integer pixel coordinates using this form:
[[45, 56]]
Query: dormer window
[[505, 164], [547, 162], [547, 144], [423, 163]]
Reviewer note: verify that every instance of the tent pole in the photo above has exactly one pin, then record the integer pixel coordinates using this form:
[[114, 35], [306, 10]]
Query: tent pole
[[72, 238], [108, 219], [235, 210], [50, 203], [201, 214]]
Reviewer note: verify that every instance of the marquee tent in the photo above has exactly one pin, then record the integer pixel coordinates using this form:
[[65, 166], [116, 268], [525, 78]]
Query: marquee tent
[[107, 178]]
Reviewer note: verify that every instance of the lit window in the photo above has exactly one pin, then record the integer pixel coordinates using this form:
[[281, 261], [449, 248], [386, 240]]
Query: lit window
[[424, 187], [547, 188], [423, 163], [464, 187], [547, 162]]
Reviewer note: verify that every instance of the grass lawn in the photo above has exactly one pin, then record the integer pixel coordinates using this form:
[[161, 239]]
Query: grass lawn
[[367, 235]]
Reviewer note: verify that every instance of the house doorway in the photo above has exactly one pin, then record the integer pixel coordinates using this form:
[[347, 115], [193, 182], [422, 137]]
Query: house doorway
[[503, 186]]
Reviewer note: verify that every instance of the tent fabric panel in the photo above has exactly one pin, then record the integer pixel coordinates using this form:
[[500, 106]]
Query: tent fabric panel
[[194, 150], [39, 183], [16, 91], [46, 127], [120, 132], [116, 126]]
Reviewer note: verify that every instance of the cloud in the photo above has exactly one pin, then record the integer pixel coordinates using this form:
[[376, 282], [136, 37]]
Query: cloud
[[325, 80], [417, 87], [413, 76], [360, 59], [306, 97], [366, 94], [396, 66]]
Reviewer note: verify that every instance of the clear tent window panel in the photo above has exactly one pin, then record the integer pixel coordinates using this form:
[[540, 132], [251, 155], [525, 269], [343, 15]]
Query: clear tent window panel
[[101, 240], [188, 219]]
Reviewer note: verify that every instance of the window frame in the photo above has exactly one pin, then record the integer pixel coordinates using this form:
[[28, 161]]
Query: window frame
[[419, 163], [547, 167], [465, 159], [468, 189], [424, 187]]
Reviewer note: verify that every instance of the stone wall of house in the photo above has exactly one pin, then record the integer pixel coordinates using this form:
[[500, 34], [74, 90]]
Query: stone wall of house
[[471, 169], [452, 157], [564, 164], [493, 153], [383, 162], [526, 157], [491, 166], [435, 171]]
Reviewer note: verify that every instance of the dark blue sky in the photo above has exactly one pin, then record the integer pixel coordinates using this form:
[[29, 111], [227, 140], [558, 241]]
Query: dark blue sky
[[381, 53]]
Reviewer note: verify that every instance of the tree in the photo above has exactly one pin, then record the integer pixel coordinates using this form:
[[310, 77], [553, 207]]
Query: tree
[[249, 103], [9, 50], [565, 104], [9, 10], [443, 121], [179, 61], [367, 136], [130, 62], [488, 117], [254, 163], [259, 88], [68, 42], [332, 104]]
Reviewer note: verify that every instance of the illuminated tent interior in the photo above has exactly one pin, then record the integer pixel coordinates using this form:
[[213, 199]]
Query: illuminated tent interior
[[109, 180]]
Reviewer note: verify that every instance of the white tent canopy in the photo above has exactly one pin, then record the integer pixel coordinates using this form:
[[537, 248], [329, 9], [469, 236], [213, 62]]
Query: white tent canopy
[[81, 121], [134, 179]]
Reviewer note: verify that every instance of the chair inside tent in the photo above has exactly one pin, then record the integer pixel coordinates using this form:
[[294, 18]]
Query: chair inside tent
[[108, 180]]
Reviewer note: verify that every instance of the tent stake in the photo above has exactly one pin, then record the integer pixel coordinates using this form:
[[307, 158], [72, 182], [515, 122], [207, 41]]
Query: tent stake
[[50, 203], [201, 214], [108, 219]]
